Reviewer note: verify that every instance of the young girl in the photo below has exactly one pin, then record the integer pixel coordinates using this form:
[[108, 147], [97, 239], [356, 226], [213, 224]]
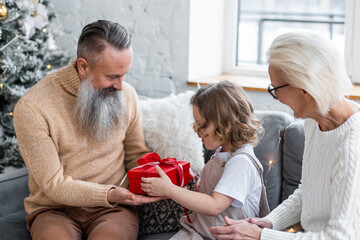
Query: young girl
[[231, 182]]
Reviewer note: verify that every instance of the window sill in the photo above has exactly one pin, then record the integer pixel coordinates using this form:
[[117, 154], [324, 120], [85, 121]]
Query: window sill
[[250, 83]]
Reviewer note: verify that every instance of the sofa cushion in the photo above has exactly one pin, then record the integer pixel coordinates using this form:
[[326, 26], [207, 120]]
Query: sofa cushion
[[13, 226], [157, 236], [269, 152], [294, 139], [13, 190]]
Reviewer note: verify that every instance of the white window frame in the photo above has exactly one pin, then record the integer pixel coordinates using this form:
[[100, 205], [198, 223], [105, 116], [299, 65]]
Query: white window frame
[[231, 8], [352, 39], [352, 42]]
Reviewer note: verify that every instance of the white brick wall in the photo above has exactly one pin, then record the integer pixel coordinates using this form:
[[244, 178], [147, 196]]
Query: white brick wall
[[160, 29]]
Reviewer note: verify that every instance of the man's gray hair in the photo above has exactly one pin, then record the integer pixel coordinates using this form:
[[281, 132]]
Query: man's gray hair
[[97, 35]]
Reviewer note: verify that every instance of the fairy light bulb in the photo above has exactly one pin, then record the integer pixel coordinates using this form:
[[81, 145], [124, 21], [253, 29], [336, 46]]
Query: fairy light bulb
[[291, 230], [270, 162], [48, 66], [11, 113], [1, 85], [44, 30], [18, 47]]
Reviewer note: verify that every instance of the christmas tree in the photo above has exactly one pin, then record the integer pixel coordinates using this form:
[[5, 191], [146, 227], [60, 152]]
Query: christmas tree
[[27, 53]]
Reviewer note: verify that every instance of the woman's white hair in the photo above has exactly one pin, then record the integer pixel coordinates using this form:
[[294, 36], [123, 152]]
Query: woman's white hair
[[313, 63]]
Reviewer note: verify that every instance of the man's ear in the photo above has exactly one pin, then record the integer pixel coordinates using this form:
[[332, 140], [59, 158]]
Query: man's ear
[[83, 68]]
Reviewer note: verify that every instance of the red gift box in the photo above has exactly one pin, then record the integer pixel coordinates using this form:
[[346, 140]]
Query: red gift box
[[177, 171]]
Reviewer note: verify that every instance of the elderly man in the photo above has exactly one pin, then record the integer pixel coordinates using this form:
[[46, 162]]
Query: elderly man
[[79, 131]]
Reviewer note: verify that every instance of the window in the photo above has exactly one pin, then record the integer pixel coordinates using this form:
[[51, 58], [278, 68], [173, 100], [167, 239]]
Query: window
[[253, 24]]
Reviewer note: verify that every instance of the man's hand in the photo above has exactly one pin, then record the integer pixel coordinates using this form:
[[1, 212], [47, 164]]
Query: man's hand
[[124, 196], [236, 229], [157, 186]]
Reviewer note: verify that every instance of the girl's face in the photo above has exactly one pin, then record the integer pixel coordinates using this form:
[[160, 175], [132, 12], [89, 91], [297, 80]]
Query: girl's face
[[207, 134]]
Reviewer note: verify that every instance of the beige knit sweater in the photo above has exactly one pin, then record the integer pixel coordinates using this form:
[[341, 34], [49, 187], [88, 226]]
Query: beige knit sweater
[[66, 167]]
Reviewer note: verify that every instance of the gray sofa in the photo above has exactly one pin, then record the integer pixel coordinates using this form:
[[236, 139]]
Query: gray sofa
[[280, 150]]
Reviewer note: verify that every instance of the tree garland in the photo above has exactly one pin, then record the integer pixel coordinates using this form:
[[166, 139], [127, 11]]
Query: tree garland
[[28, 53]]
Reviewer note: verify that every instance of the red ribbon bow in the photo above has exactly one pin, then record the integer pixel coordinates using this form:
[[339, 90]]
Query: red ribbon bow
[[153, 159]]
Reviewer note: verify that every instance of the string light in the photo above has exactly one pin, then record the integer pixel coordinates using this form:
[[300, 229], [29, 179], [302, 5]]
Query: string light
[[11, 113], [1, 85], [291, 230], [18, 47], [270, 162], [48, 66], [44, 30]]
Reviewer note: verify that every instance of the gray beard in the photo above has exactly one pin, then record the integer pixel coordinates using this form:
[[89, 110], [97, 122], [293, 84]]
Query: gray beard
[[99, 112]]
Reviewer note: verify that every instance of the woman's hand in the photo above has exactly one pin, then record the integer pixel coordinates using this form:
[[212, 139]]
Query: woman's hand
[[261, 222], [124, 196], [157, 186], [236, 229]]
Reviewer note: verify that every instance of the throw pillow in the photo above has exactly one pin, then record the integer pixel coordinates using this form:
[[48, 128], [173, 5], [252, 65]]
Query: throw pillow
[[167, 128], [159, 217], [162, 216]]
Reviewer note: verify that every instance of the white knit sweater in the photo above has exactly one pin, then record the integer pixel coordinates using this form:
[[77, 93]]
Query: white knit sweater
[[328, 199]]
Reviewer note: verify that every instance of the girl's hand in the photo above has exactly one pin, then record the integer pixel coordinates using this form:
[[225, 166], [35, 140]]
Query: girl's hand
[[157, 186]]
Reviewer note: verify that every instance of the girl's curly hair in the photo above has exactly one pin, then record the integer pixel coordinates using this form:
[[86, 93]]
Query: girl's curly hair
[[226, 104]]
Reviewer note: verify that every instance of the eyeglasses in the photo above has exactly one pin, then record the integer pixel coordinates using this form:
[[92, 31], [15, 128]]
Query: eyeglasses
[[272, 90], [193, 126], [196, 127]]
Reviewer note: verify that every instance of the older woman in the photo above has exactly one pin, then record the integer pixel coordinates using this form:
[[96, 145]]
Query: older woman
[[307, 74]]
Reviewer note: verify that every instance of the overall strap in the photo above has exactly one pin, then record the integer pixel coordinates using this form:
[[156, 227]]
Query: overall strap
[[263, 205], [254, 160]]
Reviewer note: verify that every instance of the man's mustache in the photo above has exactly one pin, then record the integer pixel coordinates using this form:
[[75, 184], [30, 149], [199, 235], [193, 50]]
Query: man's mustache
[[106, 91]]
